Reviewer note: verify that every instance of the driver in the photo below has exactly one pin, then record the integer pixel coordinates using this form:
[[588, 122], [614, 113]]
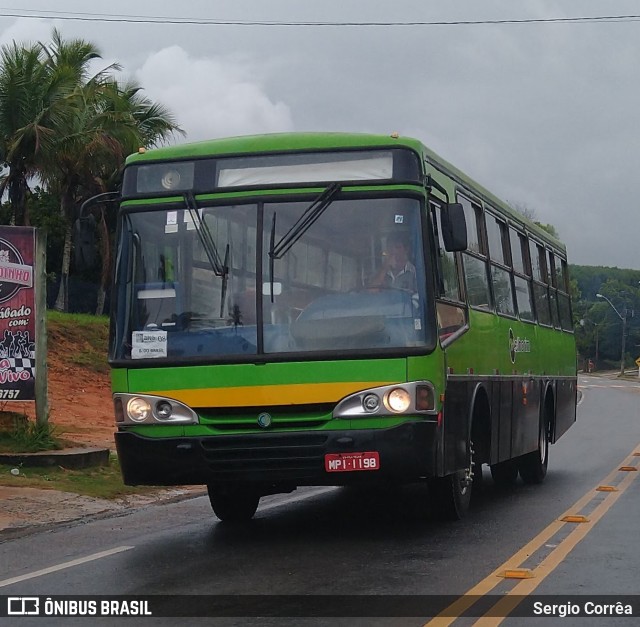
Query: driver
[[396, 271]]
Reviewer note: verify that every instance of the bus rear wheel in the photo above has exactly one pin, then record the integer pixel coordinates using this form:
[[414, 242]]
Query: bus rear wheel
[[533, 466], [233, 505]]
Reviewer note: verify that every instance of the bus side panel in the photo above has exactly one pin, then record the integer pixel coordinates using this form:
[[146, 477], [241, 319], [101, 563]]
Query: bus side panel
[[526, 416], [503, 419], [455, 425], [566, 391]]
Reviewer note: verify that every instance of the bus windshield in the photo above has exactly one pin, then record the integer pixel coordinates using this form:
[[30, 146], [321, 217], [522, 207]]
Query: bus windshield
[[353, 281]]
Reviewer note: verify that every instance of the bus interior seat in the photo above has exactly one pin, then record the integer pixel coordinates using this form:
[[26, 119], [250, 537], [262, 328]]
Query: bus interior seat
[[157, 306]]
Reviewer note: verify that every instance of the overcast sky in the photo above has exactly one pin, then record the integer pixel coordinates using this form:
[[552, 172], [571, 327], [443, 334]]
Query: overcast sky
[[545, 115]]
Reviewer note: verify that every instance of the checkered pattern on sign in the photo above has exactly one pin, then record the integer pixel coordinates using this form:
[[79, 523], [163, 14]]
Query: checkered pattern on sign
[[19, 364]]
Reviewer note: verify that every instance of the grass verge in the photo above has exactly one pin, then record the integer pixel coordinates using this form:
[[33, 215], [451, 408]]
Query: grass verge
[[87, 334], [103, 482], [20, 435]]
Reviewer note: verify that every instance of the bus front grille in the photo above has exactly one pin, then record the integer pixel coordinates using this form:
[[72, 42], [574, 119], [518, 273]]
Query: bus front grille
[[279, 455]]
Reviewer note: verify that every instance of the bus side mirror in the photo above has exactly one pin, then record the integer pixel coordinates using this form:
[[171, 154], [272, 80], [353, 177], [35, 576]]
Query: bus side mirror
[[84, 243], [454, 228]]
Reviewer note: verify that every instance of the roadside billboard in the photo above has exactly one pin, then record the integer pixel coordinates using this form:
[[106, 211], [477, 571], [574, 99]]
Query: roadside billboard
[[17, 314]]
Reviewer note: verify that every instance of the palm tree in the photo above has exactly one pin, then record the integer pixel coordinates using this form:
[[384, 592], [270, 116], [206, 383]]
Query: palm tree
[[99, 125], [71, 129], [139, 123], [27, 114]]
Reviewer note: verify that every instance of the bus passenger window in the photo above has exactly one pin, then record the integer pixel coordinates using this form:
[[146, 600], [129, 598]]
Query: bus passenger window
[[475, 271], [450, 319]]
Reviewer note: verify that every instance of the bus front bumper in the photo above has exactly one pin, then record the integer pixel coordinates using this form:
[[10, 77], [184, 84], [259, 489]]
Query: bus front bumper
[[407, 452]]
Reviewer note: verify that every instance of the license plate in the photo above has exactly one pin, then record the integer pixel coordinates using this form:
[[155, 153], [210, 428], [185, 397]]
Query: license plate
[[349, 462]]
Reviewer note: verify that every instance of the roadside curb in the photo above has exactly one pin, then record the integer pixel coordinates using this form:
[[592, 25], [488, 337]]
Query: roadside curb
[[70, 458], [26, 511]]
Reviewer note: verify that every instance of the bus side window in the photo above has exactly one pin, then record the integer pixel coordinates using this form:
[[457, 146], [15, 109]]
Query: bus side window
[[451, 316], [500, 269], [564, 301], [450, 287], [521, 275], [553, 292], [540, 287], [475, 259]]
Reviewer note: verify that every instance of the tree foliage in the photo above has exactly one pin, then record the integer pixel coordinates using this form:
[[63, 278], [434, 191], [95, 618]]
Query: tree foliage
[[71, 130], [599, 336]]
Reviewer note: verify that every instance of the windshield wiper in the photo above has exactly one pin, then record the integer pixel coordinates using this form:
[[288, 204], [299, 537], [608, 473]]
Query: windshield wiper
[[220, 268], [301, 226], [304, 222]]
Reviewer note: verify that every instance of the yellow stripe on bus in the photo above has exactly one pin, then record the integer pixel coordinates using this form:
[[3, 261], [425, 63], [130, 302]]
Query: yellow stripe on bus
[[263, 395]]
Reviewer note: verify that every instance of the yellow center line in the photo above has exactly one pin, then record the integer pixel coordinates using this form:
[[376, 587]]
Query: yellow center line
[[458, 607], [506, 605]]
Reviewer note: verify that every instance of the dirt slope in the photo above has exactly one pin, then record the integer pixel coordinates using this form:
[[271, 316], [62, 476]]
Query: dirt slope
[[79, 396]]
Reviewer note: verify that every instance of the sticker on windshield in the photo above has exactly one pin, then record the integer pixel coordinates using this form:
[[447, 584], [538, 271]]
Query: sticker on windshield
[[172, 222], [399, 219], [148, 344], [188, 220]]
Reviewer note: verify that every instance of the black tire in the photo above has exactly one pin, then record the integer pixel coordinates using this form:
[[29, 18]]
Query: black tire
[[533, 466], [505, 474], [233, 506], [450, 496]]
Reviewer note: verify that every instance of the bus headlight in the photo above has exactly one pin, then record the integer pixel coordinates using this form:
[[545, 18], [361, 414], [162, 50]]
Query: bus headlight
[[138, 409], [144, 408], [163, 410], [371, 402], [398, 400]]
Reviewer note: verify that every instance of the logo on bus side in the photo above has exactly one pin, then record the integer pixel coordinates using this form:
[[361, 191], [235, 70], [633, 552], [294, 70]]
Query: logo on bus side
[[518, 345]]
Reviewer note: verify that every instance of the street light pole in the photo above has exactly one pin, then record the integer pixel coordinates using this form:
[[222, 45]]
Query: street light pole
[[624, 329]]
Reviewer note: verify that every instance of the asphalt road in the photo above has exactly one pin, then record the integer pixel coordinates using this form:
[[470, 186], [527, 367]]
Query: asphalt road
[[337, 542]]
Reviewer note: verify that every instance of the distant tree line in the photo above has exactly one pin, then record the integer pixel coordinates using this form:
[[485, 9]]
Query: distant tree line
[[64, 136], [598, 325]]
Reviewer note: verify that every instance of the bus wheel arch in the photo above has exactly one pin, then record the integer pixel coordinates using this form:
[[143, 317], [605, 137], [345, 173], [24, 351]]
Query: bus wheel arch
[[533, 466], [451, 495]]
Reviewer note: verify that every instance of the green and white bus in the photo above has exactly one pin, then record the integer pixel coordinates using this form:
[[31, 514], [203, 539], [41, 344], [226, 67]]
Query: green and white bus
[[260, 341]]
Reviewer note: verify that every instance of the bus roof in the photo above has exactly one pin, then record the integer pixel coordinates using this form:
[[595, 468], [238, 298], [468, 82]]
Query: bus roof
[[297, 141], [275, 142]]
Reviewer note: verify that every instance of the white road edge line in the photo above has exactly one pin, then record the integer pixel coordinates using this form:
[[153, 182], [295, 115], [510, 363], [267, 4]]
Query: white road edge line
[[71, 564]]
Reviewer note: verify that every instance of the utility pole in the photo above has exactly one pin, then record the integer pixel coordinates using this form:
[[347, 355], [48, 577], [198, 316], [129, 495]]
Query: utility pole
[[41, 384]]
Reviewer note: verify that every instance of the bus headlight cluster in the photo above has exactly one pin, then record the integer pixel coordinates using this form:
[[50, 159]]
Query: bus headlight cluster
[[147, 409], [415, 397]]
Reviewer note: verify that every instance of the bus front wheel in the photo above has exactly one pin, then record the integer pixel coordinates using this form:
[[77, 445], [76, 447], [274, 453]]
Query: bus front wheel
[[233, 505], [451, 495]]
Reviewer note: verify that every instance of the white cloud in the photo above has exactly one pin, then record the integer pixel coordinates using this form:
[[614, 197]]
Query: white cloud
[[26, 31], [212, 97]]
